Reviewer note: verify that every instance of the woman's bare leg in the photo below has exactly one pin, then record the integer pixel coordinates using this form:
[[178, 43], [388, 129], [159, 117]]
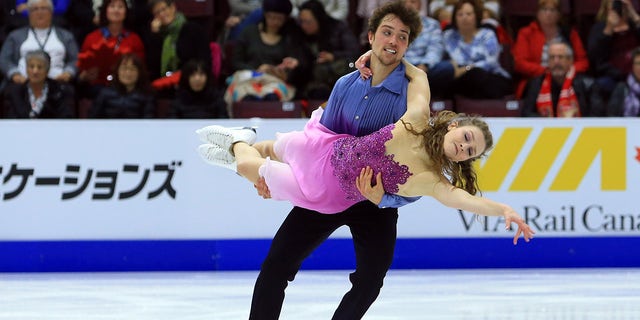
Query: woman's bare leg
[[266, 149], [249, 161]]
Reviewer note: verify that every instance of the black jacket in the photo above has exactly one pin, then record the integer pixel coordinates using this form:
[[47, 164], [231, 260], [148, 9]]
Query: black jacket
[[198, 105], [59, 103], [110, 104], [591, 104]]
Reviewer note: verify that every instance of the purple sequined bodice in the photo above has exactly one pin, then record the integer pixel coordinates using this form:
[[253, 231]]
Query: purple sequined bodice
[[351, 154]]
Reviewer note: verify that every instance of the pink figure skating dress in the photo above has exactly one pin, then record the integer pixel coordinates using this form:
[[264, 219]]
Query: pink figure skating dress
[[320, 167]]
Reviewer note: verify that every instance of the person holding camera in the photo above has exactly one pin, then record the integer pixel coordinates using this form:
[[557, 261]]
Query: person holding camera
[[611, 39]]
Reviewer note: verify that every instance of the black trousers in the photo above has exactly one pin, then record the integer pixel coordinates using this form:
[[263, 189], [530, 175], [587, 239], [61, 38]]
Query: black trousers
[[374, 238]]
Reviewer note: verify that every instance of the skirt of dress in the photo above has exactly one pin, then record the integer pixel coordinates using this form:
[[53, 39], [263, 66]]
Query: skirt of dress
[[305, 176]]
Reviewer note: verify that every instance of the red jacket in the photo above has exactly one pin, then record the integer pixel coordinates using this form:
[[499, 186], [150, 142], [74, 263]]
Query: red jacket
[[102, 51], [527, 54]]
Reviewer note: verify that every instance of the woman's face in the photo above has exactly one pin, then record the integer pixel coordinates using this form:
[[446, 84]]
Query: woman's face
[[463, 143], [466, 18], [197, 81], [308, 22], [548, 15], [116, 11], [37, 71], [163, 12], [274, 20], [128, 74]]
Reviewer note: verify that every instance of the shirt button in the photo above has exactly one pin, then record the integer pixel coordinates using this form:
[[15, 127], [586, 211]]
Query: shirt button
[[366, 97], [357, 117]]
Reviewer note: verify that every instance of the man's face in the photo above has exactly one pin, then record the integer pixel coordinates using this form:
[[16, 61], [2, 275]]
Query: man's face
[[390, 41], [560, 60]]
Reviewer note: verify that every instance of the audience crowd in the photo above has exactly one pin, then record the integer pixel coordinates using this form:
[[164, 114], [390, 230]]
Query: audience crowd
[[127, 58]]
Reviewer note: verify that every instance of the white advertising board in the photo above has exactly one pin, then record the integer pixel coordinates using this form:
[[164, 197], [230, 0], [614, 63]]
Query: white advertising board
[[142, 179]]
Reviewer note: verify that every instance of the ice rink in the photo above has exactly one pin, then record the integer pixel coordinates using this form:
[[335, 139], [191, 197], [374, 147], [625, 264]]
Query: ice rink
[[520, 294]]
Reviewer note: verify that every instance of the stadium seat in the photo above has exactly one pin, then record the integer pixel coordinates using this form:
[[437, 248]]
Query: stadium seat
[[505, 107], [439, 105], [84, 107], [162, 108], [267, 109], [195, 8]]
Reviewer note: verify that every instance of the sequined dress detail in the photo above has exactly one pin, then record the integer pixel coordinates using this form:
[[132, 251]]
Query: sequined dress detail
[[322, 166]]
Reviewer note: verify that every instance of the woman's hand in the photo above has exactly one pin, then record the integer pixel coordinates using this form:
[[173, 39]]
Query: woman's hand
[[361, 65], [374, 192], [262, 188], [510, 216], [289, 63], [155, 25], [633, 15], [459, 71]]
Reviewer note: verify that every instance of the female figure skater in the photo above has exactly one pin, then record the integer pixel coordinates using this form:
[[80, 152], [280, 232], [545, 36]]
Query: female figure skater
[[328, 172]]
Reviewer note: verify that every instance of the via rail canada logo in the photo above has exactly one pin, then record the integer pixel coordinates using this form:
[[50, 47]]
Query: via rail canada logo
[[560, 155]]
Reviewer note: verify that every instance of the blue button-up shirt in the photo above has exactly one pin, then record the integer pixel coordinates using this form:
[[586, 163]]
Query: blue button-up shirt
[[357, 108]]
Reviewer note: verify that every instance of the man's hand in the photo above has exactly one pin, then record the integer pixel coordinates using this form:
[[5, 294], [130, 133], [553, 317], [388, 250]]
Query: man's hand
[[373, 193], [263, 189]]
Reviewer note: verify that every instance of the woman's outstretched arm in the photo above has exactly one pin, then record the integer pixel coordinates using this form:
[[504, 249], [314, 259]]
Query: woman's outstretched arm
[[457, 198]]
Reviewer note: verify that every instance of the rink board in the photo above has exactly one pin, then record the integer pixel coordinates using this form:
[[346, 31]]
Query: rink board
[[90, 195], [224, 255]]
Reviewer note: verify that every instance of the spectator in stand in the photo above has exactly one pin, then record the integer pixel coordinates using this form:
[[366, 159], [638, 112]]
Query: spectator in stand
[[332, 46], [474, 54], [337, 9], [427, 50], [273, 47], [561, 92], [625, 99], [611, 40], [243, 13], [41, 34], [441, 10], [39, 96], [59, 7], [97, 6], [129, 95], [174, 40], [530, 51], [196, 97], [491, 19], [103, 47]]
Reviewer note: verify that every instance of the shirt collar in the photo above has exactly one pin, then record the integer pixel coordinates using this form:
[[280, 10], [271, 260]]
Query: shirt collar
[[396, 79]]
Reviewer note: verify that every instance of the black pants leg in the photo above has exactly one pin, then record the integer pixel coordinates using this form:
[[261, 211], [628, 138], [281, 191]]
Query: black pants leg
[[374, 237], [302, 232]]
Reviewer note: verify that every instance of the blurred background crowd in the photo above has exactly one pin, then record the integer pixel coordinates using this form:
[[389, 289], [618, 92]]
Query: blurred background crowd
[[210, 59]]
